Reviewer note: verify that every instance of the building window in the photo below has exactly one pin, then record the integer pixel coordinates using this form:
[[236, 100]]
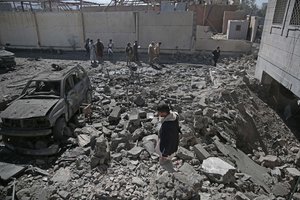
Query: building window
[[295, 19], [238, 27], [279, 11]]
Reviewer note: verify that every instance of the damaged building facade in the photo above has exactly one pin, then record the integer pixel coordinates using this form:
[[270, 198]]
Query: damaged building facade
[[279, 55]]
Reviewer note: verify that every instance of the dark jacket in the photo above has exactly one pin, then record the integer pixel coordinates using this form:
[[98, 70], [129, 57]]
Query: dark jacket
[[169, 135], [216, 54]]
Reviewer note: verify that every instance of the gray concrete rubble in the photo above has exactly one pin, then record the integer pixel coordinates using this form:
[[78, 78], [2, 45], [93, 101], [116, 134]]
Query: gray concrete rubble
[[232, 144], [218, 170]]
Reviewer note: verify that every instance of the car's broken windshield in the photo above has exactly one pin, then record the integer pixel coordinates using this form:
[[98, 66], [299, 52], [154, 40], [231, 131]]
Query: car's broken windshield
[[43, 89]]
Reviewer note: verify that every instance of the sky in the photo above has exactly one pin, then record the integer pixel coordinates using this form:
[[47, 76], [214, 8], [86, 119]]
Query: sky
[[258, 2]]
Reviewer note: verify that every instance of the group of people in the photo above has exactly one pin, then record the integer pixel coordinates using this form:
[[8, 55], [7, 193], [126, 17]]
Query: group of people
[[95, 51]]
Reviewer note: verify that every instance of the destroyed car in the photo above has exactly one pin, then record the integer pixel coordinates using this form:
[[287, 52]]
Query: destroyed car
[[37, 122], [7, 59]]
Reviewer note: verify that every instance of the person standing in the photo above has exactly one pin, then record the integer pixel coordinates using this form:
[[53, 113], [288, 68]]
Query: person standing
[[110, 48], [92, 49], [87, 48], [129, 54], [99, 50], [157, 51], [168, 132], [151, 53], [216, 55], [135, 51]]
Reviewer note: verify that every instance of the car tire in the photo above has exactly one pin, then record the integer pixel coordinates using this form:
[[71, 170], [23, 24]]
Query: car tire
[[60, 130]]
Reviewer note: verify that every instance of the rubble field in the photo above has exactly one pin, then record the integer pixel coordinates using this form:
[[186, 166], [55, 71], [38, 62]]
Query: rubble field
[[232, 145]]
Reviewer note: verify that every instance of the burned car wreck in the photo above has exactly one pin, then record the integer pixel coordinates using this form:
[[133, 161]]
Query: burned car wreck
[[37, 122], [7, 59]]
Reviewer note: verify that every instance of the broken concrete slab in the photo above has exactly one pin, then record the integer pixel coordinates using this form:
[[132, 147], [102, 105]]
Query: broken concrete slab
[[184, 154], [240, 196], [218, 170], [293, 172], [115, 115], [270, 161], [281, 189], [187, 169], [8, 170], [135, 151], [258, 173], [62, 176], [138, 181], [200, 152], [83, 140]]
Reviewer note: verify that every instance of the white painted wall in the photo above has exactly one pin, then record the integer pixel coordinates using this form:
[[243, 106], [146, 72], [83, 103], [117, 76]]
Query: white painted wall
[[118, 26], [233, 33], [171, 28], [60, 29], [279, 54], [18, 29]]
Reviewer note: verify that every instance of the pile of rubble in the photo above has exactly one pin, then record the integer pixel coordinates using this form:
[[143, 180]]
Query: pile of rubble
[[232, 146]]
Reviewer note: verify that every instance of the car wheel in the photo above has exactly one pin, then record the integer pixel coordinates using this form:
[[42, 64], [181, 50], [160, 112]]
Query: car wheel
[[61, 130]]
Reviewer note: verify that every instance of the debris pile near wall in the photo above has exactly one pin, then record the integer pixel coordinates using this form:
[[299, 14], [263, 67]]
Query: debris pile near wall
[[232, 146]]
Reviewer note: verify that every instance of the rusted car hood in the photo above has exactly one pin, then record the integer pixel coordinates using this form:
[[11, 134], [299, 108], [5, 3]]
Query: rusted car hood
[[28, 108]]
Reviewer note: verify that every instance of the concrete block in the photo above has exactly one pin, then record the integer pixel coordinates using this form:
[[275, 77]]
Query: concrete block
[[200, 152]]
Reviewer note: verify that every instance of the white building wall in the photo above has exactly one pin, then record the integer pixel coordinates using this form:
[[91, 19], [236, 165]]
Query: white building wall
[[60, 29], [279, 54], [18, 29], [171, 28], [237, 34], [118, 26]]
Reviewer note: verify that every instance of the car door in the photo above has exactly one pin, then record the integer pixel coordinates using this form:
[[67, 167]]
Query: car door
[[80, 85], [70, 96]]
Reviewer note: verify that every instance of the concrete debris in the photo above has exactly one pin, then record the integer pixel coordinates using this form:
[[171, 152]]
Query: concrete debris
[[83, 140], [101, 153], [135, 152], [293, 172], [218, 170], [62, 176], [232, 144], [240, 196], [269, 161], [8, 170], [115, 115], [184, 154], [200, 152], [281, 189]]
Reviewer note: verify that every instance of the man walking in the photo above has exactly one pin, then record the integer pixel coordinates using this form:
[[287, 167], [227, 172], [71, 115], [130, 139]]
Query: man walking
[[216, 55], [92, 52], [87, 48], [110, 49], [169, 131], [135, 52], [157, 51], [129, 53], [151, 53], [99, 50]]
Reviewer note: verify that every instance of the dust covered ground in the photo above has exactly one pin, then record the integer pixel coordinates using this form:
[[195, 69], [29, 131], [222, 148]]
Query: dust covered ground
[[232, 145]]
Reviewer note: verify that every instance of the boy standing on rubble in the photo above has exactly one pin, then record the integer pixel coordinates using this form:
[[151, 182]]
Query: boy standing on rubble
[[168, 132]]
